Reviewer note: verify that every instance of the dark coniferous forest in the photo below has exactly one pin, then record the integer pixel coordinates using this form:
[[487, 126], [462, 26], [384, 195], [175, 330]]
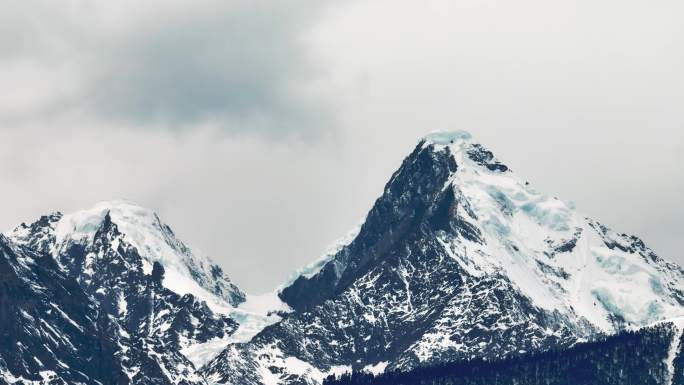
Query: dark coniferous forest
[[629, 358]]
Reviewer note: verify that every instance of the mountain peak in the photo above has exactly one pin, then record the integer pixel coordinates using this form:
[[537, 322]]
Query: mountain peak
[[85, 223], [455, 191], [458, 258], [188, 271], [447, 137]]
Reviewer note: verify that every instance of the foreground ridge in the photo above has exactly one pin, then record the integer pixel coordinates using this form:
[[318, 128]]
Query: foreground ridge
[[610, 360]]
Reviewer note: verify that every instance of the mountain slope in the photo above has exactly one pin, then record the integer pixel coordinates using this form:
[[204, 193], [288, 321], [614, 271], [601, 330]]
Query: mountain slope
[[156, 297], [49, 330], [457, 259], [605, 362]]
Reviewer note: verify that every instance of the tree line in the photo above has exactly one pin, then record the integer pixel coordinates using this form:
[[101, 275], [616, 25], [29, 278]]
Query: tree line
[[627, 358]]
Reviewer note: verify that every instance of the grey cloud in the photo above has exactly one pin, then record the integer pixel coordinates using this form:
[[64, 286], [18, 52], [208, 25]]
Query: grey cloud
[[241, 65], [235, 64]]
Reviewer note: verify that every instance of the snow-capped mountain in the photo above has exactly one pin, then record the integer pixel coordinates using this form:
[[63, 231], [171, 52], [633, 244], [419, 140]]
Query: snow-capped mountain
[[186, 271], [138, 293], [458, 258]]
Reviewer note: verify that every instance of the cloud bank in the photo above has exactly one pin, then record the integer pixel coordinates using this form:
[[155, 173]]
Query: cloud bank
[[242, 66]]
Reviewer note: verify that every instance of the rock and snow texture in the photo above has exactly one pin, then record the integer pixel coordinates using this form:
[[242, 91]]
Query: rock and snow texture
[[156, 307], [458, 258], [48, 328], [186, 271]]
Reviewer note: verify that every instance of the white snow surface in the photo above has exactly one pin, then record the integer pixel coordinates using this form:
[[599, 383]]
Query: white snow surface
[[520, 224], [376, 369], [256, 313], [253, 315]]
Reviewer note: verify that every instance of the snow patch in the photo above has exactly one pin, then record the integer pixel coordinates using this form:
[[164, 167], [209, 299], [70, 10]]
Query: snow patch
[[256, 313], [376, 369], [122, 305]]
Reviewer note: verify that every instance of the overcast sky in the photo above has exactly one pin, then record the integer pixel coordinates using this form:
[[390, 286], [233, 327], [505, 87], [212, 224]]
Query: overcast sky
[[263, 131]]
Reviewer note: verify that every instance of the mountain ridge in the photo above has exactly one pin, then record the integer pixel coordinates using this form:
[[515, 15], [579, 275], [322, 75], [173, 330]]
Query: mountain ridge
[[457, 259]]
